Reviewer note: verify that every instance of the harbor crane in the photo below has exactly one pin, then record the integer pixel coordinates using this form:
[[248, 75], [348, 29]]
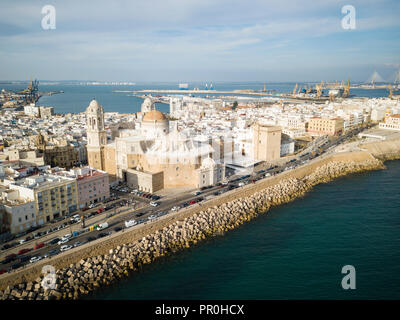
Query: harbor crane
[[390, 91], [346, 89], [294, 90]]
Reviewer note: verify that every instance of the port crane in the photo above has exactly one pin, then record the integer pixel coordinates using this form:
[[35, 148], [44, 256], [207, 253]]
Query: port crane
[[390, 91], [31, 93], [346, 89], [294, 90]]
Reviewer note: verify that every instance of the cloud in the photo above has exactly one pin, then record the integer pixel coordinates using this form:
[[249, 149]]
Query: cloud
[[189, 35]]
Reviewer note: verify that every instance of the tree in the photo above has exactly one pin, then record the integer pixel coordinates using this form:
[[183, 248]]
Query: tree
[[235, 104]]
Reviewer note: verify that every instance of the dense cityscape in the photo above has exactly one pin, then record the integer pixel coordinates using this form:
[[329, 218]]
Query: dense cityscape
[[195, 150]]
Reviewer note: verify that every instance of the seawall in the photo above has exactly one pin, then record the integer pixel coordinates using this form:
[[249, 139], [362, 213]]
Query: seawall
[[98, 263]]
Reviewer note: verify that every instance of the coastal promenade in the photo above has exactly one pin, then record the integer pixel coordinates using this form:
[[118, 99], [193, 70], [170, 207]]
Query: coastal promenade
[[119, 254]]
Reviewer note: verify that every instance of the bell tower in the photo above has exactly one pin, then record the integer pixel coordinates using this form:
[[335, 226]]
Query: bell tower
[[96, 135]]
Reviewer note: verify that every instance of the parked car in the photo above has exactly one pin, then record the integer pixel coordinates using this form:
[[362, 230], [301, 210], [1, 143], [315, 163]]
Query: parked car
[[77, 244], [65, 247], [9, 258], [130, 223], [90, 239], [100, 210], [35, 259], [62, 241], [24, 259], [67, 236], [192, 202], [6, 246], [116, 229], [23, 251], [53, 252], [3, 271], [154, 204], [38, 246], [16, 265]]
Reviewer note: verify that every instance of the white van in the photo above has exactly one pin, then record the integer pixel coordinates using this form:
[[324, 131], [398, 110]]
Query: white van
[[130, 223], [102, 226]]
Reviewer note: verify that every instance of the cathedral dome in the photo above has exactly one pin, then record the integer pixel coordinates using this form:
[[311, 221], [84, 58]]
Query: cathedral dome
[[154, 115]]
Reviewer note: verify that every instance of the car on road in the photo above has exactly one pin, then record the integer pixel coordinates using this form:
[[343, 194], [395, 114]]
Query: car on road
[[100, 210], [65, 247], [16, 265], [67, 236], [130, 223], [102, 226], [9, 258], [24, 258], [51, 253], [196, 193], [154, 203], [78, 243], [155, 198], [75, 217], [116, 229], [38, 246], [35, 259], [54, 241], [23, 251], [5, 247], [139, 214], [62, 241]]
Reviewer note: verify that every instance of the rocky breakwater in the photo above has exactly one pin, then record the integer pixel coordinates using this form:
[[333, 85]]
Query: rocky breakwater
[[88, 274]]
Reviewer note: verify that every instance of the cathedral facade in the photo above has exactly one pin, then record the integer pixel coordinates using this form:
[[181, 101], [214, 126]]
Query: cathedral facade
[[154, 156]]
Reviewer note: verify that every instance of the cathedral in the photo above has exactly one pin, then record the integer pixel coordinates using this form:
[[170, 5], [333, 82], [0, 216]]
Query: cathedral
[[154, 155]]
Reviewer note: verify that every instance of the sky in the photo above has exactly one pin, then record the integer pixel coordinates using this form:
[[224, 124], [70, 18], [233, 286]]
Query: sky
[[206, 40]]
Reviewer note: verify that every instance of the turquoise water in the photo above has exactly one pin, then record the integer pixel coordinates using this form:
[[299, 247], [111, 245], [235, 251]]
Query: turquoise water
[[76, 98], [296, 251]]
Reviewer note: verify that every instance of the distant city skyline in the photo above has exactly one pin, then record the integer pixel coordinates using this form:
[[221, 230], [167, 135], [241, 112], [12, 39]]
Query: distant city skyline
[[199, 41]]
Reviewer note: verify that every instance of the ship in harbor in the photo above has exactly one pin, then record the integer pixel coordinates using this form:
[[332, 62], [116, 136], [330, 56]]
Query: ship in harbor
[[183, 86]]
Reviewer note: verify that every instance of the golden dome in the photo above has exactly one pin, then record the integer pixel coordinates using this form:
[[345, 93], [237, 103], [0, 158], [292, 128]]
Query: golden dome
[[154, 115]]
